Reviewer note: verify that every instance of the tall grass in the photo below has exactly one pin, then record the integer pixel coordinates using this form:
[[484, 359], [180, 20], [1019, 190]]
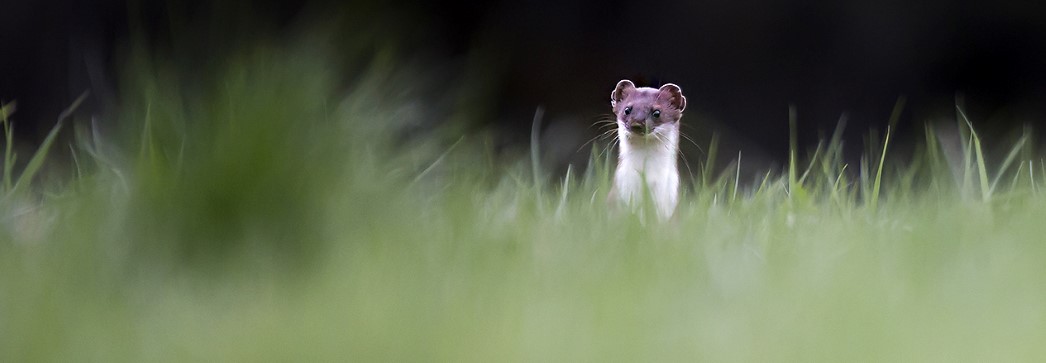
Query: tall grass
[[265, 215]]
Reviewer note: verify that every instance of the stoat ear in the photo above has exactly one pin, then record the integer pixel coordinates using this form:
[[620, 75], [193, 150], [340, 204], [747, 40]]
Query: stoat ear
[[624, 87], [674, 95]]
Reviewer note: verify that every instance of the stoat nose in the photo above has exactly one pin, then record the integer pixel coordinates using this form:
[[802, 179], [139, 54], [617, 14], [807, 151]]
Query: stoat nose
[[637, 127]]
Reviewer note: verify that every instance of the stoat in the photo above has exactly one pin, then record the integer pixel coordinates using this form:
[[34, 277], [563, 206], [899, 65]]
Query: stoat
[[648, 130]]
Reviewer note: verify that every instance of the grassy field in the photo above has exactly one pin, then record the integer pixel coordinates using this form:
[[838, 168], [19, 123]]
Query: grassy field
[[263, 215]]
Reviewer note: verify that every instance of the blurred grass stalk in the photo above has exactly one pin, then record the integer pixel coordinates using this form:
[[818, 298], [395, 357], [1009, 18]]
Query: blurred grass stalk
[[266, 215]]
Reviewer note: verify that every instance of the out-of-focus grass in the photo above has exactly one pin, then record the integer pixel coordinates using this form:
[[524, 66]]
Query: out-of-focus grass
[[267, 216]]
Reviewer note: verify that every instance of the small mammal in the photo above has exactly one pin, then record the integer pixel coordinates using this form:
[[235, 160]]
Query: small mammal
[[648, 129]]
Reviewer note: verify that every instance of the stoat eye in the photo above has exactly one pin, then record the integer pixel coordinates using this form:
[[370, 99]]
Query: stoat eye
[[656, 113], [628, 110]]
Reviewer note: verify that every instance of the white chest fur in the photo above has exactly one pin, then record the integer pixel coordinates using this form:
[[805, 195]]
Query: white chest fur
[[647, 166]]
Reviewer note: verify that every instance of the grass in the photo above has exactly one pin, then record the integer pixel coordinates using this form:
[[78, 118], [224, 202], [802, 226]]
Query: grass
[[264, 215]]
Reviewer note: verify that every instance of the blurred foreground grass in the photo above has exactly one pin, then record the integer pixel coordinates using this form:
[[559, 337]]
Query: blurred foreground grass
[[263, 215]]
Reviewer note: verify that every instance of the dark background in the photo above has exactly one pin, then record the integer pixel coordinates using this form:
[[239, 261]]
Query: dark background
[[740, 63]]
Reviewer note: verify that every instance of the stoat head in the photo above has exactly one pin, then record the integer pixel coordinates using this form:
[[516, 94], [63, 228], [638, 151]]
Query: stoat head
[[644, 111]]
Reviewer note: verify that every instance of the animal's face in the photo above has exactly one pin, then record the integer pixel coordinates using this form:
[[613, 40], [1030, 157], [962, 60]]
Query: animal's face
[[643, 111]]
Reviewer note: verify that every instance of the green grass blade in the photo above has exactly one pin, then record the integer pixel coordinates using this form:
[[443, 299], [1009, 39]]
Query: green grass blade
[[813, 161], [709, 164], [1017, 148], [834, 150], [535, 162], [564, 193], [967, 175], [9, 156], [737, 179], [895, 114], [879, 172], [1017, 176], [836, 184], [35, 162], [982, 169], [1031, 178], [793, 141], [438, 161]]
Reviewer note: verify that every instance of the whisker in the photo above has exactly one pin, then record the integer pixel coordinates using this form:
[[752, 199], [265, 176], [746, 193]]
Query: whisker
[[600, 136], [686, 163], [599, 124], [688, 125], [607, 117], [699, 148], [678, 151], [609, 146]]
